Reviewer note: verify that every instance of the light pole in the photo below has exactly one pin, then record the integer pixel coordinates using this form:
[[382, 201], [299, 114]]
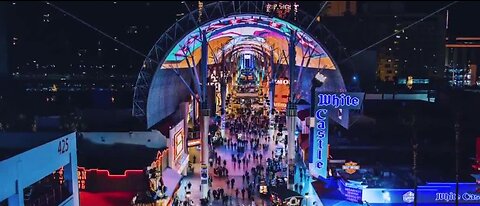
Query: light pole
[[457, 135], [409, 121]]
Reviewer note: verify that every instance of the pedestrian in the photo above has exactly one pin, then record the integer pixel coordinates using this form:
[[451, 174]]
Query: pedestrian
[[296, 187], [194, 159], [232, 182], [189, 185], [301, 188], [243, 193], [224, 163], [243, 178], [215, 193], [228, 182], [236, 192]]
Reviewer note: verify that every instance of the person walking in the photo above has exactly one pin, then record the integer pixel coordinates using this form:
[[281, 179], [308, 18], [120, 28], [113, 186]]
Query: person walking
[[236, 192], [232, 182], [243, 193]]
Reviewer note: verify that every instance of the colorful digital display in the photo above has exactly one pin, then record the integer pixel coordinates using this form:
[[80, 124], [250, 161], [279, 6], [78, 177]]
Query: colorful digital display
[[264, 32], [325, 103]]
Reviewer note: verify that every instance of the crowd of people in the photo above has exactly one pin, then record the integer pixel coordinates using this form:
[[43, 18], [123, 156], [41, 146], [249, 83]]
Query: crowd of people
[[247, 141]]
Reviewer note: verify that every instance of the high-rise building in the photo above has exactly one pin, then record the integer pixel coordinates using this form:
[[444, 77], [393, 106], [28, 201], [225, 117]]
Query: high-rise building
[[416, 52], [341, 8], [462, 57]]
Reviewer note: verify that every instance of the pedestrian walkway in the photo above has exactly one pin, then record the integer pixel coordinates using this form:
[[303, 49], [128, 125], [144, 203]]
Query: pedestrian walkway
[[236, 171]]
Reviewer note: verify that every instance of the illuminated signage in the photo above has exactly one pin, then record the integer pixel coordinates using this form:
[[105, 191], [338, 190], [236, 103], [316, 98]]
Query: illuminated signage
[[321, 135], [204, 174], [431, 193], [194, 142], [408, 197], [282, 81], [341, 100], [351, 167], [222, 122], [450, 196], [82, 178], [280, 105], [326, 102], [178, 144], [282, 9], [351, 191]]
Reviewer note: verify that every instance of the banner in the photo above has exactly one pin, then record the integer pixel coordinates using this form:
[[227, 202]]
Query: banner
[[326, 103]]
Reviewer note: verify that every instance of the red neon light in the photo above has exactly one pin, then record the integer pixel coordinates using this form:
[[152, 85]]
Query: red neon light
[[463, 45], [108, 172]]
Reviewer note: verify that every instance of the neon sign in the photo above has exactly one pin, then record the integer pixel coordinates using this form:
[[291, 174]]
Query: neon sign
[[450, 196], [408, 197], [326, 102], [282, 9], [351, 167], [342, 100], [322, 135], [282, 81]]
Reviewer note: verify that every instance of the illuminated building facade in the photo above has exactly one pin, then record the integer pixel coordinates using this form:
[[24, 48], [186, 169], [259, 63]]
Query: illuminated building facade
[[462, 56]]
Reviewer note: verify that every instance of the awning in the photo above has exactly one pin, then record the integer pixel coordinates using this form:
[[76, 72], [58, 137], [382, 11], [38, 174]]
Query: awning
[[171, 179]]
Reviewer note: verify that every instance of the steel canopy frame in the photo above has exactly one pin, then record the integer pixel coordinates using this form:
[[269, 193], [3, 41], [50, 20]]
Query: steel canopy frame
[[215, 11]]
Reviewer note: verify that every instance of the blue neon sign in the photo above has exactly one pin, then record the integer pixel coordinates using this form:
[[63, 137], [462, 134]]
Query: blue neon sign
[[342, 100], [325, 102]]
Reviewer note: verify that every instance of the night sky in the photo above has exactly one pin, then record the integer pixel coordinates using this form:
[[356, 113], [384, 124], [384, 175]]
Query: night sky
[[62, 38]]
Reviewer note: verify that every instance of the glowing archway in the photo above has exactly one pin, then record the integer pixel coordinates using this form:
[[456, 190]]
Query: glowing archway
[[159, 91]]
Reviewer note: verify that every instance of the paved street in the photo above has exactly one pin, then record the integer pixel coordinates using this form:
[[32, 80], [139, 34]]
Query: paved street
[[236, 172]]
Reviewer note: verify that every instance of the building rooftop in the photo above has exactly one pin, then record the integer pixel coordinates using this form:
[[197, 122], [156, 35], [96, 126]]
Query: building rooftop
[[15, 143]]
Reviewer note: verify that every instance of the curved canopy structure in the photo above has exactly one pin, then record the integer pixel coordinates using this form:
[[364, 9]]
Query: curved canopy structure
[[232, 28], [272, 33]]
